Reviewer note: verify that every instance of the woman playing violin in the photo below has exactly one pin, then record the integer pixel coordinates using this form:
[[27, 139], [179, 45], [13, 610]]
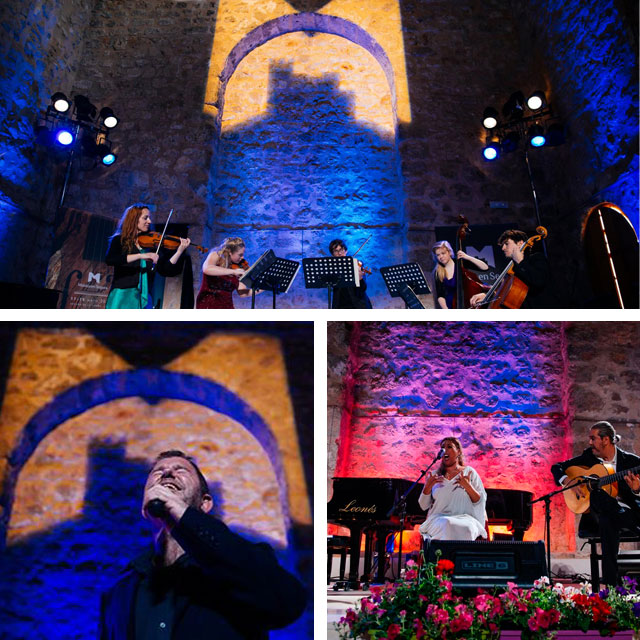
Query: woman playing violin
[[221, 273], [133, 266], [349, 297], [531, 268], [444, 272]]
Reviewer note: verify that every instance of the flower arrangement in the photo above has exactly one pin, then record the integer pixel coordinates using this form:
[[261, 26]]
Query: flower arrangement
[[425, 605]]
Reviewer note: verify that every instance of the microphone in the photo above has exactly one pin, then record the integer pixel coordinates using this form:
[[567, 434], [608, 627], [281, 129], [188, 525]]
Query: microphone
[[156, 508], [440, 454]]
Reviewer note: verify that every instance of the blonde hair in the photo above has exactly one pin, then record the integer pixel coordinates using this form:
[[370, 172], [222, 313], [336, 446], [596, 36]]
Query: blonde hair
[[439, 271], [226, 248], [128, 226], [456, 443]]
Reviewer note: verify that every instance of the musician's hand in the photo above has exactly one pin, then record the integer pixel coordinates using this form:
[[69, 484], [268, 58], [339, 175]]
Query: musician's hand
[[463, 480], [431, 481], [633, 480], [462, 254], [238, 273], [184, 243], [477, 299], [153, 257]]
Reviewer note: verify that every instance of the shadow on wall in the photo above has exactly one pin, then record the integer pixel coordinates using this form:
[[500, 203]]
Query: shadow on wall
[[51, 582], [306, 173]]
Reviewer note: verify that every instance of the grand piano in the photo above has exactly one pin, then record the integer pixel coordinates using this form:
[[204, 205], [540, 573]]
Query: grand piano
[[363, 505]]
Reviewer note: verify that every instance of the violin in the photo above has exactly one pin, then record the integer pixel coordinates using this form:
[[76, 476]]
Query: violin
[[467, 282], [363, 269], [508, 291], [243, 264], [151, 239]]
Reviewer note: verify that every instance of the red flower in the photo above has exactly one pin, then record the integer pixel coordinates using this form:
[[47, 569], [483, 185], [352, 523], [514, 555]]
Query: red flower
[[393, 631], [444, 566]]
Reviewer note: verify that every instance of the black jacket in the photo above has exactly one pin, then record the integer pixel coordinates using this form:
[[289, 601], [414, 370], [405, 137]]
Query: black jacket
[[534, 271], [231, 589], [126, 275], [625, 460]]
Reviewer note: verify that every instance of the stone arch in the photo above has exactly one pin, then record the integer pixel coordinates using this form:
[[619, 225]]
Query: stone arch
[[303, 22], [149, 383]]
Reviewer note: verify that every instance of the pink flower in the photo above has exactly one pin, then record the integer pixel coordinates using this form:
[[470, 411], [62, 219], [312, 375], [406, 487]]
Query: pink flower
[[411, 574], [418, 626]]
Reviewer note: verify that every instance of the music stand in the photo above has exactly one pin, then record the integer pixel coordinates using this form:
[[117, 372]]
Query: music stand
[[270, 273], [331, 273], [406, 281]]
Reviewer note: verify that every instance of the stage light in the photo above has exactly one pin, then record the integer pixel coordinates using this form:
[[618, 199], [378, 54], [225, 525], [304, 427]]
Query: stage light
[[85, 111], [491, 151], [109, 159], [490, 118], [510, 142], [108, 117], [105, 154], [536, 135], [536, 101], [513, 108], [64, 137], [60, 102], [555, 135]]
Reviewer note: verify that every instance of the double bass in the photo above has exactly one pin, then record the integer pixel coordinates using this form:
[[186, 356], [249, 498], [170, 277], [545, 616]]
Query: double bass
[[467, 282], [508, 291]]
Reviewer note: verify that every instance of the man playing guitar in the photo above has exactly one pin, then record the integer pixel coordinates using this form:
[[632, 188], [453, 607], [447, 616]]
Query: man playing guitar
[[613, 513]]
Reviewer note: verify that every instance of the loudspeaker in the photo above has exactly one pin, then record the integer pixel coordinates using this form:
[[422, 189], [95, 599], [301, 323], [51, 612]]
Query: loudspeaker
[[480, 563]]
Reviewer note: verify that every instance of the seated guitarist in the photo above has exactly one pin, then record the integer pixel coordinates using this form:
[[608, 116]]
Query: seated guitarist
[[531, 268], [613, 514]]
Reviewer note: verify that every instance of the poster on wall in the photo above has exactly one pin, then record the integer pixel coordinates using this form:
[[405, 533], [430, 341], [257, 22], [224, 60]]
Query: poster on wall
[[77, 268]]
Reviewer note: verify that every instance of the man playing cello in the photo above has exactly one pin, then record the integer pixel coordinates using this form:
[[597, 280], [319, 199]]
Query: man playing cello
[[531, 268], [612, 514]]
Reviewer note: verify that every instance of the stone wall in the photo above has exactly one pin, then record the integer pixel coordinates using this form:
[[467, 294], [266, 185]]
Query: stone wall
[[520, 396], [84, 413], [335, 120]]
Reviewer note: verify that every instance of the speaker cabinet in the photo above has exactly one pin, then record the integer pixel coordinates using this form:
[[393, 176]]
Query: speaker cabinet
[[490, 564]]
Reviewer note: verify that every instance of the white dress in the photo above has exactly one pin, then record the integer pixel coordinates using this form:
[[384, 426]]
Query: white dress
[[452, 515]]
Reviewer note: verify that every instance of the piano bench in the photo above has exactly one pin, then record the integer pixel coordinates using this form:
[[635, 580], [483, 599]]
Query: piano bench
[[628, 561], [337, 544]]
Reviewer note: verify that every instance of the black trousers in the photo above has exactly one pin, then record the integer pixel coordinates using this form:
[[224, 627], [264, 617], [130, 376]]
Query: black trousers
[[612, 519]]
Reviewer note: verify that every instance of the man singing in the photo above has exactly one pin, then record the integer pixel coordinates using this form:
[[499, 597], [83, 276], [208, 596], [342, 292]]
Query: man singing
[[200, 580], [612, 514]]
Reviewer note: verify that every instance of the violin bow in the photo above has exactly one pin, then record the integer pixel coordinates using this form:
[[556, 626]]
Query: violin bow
[[362, 245], [166, 224]]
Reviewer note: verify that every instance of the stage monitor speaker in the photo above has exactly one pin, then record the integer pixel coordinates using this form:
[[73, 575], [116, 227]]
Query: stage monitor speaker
[[480, 563]]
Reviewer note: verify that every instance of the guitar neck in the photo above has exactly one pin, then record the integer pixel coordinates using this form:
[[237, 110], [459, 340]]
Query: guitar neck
[[615, 477]]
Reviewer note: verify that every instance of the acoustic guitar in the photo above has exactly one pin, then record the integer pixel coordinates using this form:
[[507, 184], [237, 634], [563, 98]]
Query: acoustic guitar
[[584, 480]]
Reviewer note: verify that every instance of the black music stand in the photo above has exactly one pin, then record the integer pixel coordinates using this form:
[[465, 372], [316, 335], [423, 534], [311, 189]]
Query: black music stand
[[406, 281], [330, 273], [270, 273]]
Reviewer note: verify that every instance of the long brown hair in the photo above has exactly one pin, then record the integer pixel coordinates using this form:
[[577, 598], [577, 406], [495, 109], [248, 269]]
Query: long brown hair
[[456, 443], [128, 227], [226, 248], [439, 270]]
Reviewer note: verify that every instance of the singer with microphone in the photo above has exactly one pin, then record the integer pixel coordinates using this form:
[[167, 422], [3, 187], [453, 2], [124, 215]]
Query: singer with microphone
[[200, 580], [132, 266], [455, 498]]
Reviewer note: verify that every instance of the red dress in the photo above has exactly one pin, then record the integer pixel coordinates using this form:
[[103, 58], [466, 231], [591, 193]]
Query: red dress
[[216, 292]]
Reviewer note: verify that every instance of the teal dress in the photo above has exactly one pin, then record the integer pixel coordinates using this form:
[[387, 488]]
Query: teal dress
[[133, 297]]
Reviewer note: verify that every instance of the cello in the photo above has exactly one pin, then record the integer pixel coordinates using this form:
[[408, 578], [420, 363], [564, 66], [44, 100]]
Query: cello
[[508, 291], [467, 282]]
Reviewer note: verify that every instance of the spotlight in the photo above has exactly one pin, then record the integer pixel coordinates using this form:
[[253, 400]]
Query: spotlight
[[510, 142], [60, 102], [536, 135], [536, 101], [64, 137], [84, 109], [555, 135], [108, 117], [514, 106], [491, 151], [106, 156], [490, 118]]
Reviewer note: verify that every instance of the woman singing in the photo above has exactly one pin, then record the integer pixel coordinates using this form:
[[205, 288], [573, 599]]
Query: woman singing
[[220, 278], [455, 498], [133, 267], [445, 272]]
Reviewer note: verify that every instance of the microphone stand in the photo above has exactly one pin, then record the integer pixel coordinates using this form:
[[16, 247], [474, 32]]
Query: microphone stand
[[547, 515], [401, 504]]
